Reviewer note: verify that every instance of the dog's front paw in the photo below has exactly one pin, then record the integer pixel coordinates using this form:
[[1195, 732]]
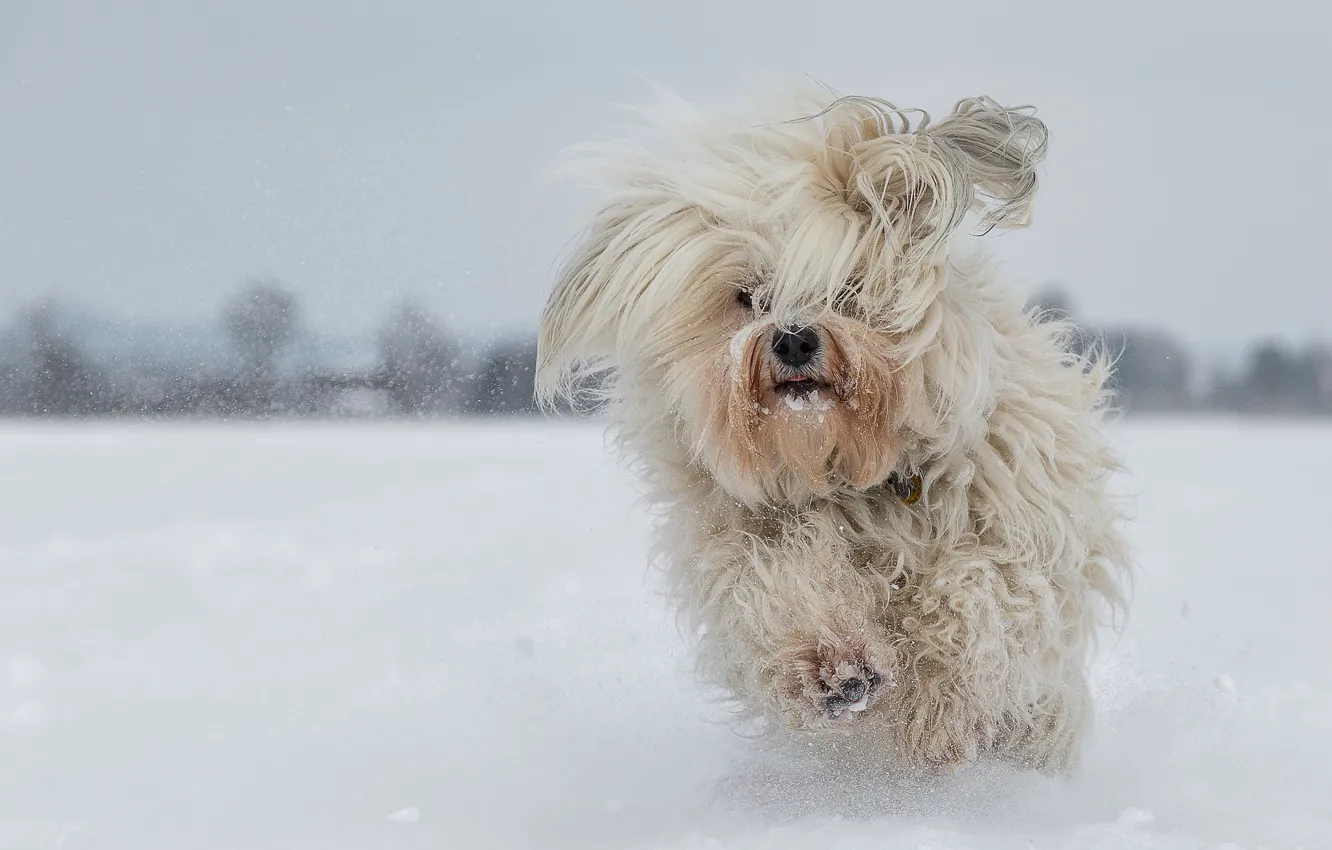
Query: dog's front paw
[[831, 681], [846, 690]]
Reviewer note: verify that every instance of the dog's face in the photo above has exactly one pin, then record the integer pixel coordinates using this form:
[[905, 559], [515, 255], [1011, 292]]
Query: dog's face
[[763, 290]]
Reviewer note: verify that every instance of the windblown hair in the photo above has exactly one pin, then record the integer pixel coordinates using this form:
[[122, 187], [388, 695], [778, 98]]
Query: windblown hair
[[958, 624]]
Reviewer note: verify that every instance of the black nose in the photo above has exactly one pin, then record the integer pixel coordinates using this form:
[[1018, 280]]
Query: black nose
[[796, 347]]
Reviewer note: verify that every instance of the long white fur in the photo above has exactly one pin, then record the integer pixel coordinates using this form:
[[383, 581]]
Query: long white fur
[[977, 606]]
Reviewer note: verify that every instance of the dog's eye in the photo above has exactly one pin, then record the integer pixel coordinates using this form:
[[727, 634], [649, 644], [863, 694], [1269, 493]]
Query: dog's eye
[[745, 299]]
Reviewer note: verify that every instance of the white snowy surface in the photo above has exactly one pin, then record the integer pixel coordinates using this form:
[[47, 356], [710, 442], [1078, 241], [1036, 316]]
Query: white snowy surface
[[445, 636]]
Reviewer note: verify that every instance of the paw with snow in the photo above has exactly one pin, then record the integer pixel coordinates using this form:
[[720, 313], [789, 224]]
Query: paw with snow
[[846, 690], [829, 682]]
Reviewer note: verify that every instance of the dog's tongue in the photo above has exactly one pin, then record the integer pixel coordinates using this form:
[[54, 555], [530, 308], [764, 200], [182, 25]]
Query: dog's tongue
[[795, 378]]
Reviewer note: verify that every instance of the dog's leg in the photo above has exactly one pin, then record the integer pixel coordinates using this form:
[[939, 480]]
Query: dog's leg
[[960, 662], [938, 723], [1046, 736], [791, 627], [975, 676]]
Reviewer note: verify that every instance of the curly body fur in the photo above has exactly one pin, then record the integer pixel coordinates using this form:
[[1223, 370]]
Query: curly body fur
[[941, 630]]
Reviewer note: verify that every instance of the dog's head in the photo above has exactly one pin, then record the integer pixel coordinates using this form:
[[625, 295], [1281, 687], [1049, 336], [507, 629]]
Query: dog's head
[[765, 290]]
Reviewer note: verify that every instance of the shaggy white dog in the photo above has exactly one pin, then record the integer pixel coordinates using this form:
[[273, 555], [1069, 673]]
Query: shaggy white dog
[[883, 486]]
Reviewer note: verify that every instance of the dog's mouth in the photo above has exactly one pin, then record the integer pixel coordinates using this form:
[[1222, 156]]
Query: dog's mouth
[[799, 386]]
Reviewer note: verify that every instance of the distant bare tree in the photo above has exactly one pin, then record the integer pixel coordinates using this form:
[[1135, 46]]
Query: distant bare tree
[[1271, 377], [261, 320], [506, 380], [62, 379], [1320, 367], [1283, 381], [1153, 370], [417, 361], [12, 373]]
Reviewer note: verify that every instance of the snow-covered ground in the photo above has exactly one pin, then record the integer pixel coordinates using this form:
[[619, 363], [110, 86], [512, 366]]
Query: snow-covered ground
[[445, 636]]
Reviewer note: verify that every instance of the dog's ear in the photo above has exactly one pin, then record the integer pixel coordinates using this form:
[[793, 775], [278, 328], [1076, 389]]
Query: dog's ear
[[576, 335], [920, 184], [1000, 150]]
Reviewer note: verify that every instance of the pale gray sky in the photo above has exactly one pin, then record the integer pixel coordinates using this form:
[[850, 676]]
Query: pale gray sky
[[155, 154]]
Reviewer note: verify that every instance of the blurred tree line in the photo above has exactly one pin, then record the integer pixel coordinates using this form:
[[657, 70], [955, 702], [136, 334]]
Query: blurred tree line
[[419, 368], [1156, 373]]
